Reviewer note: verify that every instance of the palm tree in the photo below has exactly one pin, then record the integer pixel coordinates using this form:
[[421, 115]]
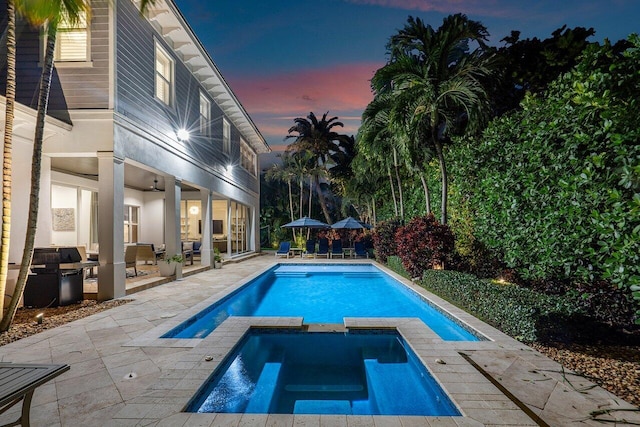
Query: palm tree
[[438, 87], [317, 137], [7, 149], [283, 174], [378, 137], [45, 14]]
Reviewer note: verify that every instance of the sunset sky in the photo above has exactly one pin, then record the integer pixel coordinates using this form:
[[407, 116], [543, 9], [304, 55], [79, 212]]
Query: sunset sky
[[285, 58]]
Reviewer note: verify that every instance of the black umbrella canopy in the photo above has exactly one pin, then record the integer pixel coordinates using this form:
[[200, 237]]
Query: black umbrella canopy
[[350, 223], [306, 222]]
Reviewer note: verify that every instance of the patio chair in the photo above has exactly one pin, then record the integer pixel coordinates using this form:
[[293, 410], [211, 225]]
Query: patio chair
[[145, 253], [187, 252], [360, 250], [323, 248], [130, 255], [310, 248], [284, 249], [336, 249]]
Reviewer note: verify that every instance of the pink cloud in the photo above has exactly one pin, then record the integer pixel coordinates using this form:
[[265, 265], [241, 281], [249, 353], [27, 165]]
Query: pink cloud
[[275, 101], [333, 89]]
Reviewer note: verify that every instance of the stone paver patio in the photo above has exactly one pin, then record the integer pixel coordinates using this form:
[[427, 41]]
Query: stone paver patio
[[122, 374]]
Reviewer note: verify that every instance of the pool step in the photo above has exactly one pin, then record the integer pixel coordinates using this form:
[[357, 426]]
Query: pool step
[[322, 407], [264, 389], [329, 388], [291, 274]]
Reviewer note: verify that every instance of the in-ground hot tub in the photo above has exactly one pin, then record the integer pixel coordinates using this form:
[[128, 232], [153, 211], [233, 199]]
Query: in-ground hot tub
[[362, 372]]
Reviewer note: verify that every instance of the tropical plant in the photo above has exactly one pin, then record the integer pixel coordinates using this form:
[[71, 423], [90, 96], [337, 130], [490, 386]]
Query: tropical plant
[[424, 244], [319, 138], [45, 14], [384, 239], [556, 186], [437, 86]]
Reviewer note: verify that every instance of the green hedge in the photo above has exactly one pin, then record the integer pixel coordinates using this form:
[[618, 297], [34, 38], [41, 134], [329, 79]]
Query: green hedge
[[395, 263], [519, 312]]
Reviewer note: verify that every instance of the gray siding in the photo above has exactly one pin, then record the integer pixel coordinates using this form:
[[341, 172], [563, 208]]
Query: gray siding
[[134, 94], [88, 87]]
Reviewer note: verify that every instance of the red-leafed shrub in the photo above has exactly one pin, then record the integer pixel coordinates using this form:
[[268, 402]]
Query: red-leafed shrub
[[384, 237], [424, 244]]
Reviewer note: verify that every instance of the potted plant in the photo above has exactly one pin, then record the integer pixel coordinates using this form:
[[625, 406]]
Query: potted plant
[[168, 265], [217, 259]]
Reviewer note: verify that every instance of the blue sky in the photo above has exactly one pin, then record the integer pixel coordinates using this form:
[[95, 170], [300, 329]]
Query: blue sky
[[285, 58]]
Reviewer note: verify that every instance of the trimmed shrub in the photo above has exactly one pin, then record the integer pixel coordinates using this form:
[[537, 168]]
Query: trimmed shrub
[[424, 244], [395, 263], [384, 239], [522, 313]]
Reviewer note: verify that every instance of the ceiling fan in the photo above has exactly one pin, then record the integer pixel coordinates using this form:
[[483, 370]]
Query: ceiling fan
[[155, 186]]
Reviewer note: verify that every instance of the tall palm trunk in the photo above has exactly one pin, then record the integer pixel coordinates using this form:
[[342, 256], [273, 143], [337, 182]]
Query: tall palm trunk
[[393, 191], [291, 206], [395, 164], [427, 196], [36, 166], [310, 197], [6, 152], [323, 202], [443, 173]]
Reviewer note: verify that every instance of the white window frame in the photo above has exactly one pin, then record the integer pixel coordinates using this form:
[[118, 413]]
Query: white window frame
[[247, 157], [65, 40], [160, 76], [205, 115], [226, 136], [131, 223]]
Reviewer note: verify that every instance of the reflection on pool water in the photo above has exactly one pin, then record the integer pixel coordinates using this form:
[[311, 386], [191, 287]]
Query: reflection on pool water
[[295, 372], [323, 293]]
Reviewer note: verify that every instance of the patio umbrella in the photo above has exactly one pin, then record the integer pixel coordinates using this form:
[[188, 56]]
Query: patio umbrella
[[306, 222], [350, 223]]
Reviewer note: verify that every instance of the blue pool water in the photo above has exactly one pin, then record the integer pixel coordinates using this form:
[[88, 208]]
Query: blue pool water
[[295, 372], [322, 293]]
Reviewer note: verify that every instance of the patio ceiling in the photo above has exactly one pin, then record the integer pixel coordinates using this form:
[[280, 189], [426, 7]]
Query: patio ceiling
[[134, 177]]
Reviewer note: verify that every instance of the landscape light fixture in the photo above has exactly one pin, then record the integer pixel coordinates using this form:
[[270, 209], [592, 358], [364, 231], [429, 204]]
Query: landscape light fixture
[[182, 134], [39, 318]]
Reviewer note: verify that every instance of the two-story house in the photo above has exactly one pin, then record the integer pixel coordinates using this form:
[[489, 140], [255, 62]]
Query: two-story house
[[146, 141]]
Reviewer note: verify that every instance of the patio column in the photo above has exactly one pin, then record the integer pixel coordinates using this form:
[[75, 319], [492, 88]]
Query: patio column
[[111, 272], [206, 250], [229, 234], [172, 196]]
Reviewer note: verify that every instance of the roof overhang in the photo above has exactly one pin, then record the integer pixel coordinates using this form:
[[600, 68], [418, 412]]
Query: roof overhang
[[171, 25]]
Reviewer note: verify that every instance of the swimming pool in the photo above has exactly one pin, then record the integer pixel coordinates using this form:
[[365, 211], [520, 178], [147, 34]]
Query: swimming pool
[[295, 372], [323, 293]]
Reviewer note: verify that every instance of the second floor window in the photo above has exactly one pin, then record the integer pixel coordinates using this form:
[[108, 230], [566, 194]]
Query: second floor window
[[247, 157], [163, 76], [226, 136], [72, 40], [205, 115]]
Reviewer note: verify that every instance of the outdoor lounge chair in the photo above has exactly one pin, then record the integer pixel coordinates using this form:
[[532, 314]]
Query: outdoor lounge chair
[[284, 249], [310, 248], [323, 248], [336, 249], [130, 258], [360, 250]]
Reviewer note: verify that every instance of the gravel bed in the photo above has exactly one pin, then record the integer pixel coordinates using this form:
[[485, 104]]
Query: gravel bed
[[615, 368]]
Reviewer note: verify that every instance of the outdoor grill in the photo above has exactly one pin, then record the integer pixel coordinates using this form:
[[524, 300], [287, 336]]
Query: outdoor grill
[[56, 277]]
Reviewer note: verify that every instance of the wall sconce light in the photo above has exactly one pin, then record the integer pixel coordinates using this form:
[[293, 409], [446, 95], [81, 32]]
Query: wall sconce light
[[39, 318], [229, 168], [182, 134]]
